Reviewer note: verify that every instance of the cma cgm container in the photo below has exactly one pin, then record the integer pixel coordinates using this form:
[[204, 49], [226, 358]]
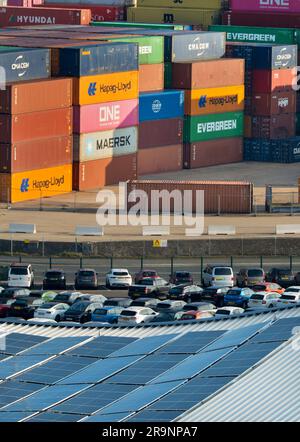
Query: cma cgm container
[[188, 47], [274, 104], [35, 184], [209, 127], [104, 58], [159, 159], [40, 95], [105, 116], [160, 133], [24, 64], [255, 34], [106, 88], [36, 154], [161, 105], [98, 145], [151, 77]]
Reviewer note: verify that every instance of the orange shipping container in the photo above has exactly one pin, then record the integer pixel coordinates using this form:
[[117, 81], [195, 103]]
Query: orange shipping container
[[160, 159], [35, 184], [151, 77], [105, 88]]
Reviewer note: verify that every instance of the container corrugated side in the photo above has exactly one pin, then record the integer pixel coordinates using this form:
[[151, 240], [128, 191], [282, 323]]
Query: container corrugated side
[[151, 77], [160, 159], [161, 105], [151, 49]]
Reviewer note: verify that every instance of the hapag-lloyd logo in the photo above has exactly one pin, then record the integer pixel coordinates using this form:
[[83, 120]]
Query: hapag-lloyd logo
[[46, 184], [120, 86]]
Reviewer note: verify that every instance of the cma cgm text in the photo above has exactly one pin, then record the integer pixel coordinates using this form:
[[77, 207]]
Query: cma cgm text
[[114, 88], [216, 126], [45, 184]]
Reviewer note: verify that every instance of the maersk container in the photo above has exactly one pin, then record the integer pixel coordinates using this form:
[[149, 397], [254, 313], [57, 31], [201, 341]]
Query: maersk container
[[161, 105], [20, 64], [255, 34], [210, 127], [94, 60]]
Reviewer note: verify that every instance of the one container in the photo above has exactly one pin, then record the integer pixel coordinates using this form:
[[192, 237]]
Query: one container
[[214, 100], [36, 154], [99, 173], [274, 104], [107, 144], [159, 159], [160, 133], [161, 105], [105, 88], [261, 18], [24, 64], [275, 126], [40, 95], [209, 127], [105, 116], [151, 49], [213, 152], [273, 81], [213, 73], [151, 77], [35, 184], [282, 6], [35, 125]]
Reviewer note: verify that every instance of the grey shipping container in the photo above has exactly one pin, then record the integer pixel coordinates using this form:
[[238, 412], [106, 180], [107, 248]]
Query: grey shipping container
[[24, 64], [104, 58], [198, 46]]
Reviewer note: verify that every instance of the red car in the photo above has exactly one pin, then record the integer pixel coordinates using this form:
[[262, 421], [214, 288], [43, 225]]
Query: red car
[[268, 287], [145, 274], [4, 309]]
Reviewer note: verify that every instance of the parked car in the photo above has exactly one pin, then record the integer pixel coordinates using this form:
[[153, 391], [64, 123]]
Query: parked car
[[81, 311], [4, 310], [67, 297], [145, 274], [263, 300], [51, 310], [282, 277], [164, 317], [86, 279], [268, 287], [194, 315], [214, 295], [91, 298], [170, 306], [224, 312], [118, 278], [288, 299], [156, 288], [21, 309], [136, 315], [117, 302], [199, 307], [48, 296], [20, 275], [297, 278], [54, 279], [185, 292], [249, 277], [238, 297], [292, 290], [13, 293], [218, 276], [181, 277], [36, 303], [107, 314], [144, 302]]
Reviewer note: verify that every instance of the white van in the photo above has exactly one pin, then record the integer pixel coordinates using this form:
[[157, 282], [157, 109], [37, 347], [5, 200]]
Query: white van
[[20, 275], [218, 276]]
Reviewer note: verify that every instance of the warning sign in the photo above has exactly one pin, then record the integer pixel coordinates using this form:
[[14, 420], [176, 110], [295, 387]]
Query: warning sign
[[160, 243]]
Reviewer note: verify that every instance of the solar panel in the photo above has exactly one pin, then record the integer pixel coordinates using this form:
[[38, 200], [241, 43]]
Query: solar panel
[[98, 371], [191, 342], [153, 416], [148, 368], [11, 391], [280, 331], [101, 347], [143, 346], [16, 364], [235, 337], [55, 417], [55, 346], [13, 417], [45, 398], [93, 399], [106, 417], [16, 342], [191, 366]]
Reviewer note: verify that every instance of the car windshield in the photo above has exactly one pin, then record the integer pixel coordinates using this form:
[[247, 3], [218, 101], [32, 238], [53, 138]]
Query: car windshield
[[176, 291], [62, 297], [79, 307], [254, 273], [147, 281], [185, 316], [223, 312], [138, 303], [260, 297], [47, 305], [234, 292], [101, 311], [285, 273], [19, 303], [53, 274], [288, 297], [182, 275], [210, 291], [128, 313], [120, 273], [291, 290], [86, 273], [18, 271], [187, 308], [111, 303], [259, 288], [162, 305], [149, 273], [222, 271]]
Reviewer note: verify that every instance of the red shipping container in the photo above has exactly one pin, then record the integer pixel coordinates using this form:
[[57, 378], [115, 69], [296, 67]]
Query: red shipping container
[[35, 125], [274, 104], [160, 159], [18, 16], [23, 3], [274, 127], [160, 133], [264, 19], [277, 80], [36, 154], [99, 173], [99, 13]]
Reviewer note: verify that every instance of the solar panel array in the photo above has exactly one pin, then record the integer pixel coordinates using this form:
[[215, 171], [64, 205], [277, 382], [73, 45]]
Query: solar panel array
[[113, 379]]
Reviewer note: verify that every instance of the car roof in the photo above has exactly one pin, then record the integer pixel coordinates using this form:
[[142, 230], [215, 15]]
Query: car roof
[[119, 270], [17, 264], [134, 309], [54, 270], [86, 270]]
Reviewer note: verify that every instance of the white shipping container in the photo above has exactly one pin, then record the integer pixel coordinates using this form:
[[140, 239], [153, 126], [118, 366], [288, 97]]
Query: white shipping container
[[107, 144]]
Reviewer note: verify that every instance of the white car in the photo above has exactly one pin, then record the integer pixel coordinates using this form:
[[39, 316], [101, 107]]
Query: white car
[[218, 276], [120, 278], [263, 300], [290, 297], [1, 289], [20, 276], [91, 298], [51, 311], [136, 315], [224, 312]]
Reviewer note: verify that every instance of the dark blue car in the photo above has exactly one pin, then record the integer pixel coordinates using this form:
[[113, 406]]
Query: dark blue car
[[238, 297], [109, 314]]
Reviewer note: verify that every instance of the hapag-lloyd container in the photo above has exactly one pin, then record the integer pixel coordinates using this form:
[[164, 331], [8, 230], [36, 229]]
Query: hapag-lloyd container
[[107, 144], [265, 5], [105, 58], [35, 125], [108, 171], [212, 73], [105, 88], [274, 127], [36, 96], [151, 49], [161, 105], [214, 100], [274, 104], [209, 127], [105, 116], [24, 64], [35, 184], [219, 196], [276, 80], [151, 77], [159, 159], [36, 154], [160, 133]]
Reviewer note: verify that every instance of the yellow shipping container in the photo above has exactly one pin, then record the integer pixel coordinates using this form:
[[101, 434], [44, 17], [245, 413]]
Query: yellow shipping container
[[195, 4], [35, 184], [105, 88], [214, 100], [187, 16]]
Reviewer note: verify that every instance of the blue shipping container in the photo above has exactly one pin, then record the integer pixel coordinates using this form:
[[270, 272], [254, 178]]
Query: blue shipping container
[[161, 105], [275, 151], [24, 64], [104, 58]]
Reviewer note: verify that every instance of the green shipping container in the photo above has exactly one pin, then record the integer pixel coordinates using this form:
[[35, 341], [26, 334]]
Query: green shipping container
[[253, 34], [122, 24], [151, 49], [210, 127]]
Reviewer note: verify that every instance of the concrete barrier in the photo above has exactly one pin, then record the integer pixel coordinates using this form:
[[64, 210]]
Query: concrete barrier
[[22, 228], [287, 229], [221, 230], [89, 231], [156, 231]]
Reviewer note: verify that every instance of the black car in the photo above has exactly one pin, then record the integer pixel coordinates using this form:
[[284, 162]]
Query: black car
[[145, 302], [86, 279], [164, 317], [181, 277], [13, 293], [67, 297], [117, 302], [54, 279], [184, 292], [21, 309], [214, 295], [81, 311], [284, 277], [150, 288]]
